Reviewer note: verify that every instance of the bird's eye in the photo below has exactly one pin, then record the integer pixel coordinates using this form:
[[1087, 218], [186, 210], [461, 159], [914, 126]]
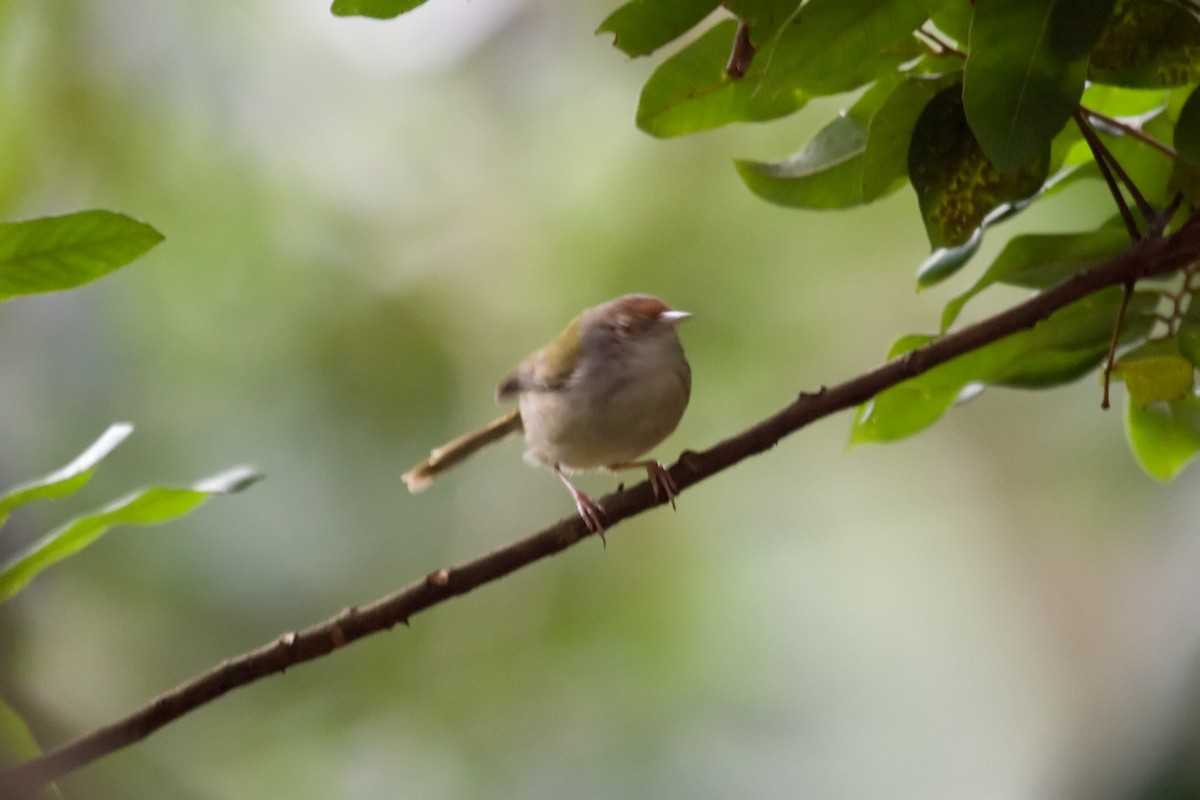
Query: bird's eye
[[625, 326]]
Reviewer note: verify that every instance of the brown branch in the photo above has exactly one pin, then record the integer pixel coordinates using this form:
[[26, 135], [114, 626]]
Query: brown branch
[[1149, 258]]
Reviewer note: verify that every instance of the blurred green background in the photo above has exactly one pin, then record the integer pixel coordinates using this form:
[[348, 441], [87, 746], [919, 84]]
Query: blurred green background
[[368, 224]]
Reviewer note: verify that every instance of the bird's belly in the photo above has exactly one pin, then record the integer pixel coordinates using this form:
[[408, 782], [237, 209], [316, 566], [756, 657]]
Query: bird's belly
[[611, 428]]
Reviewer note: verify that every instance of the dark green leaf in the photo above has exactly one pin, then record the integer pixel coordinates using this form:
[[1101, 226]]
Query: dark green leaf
[[1062, 348], [54, 253], [1187, 129], [149, 506], [378, 9], [890, 131], [958, 187], [1073, 341], [954, 20], [833, 46], [70, 478], [1037, 261], [1164, 437], [1147, 43], [1188, 335], [642, 26], [691, 92], [1025, 72]]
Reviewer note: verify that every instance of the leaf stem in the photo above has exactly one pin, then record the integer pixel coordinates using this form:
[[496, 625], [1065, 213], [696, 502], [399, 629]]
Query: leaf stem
[[1134, 131]]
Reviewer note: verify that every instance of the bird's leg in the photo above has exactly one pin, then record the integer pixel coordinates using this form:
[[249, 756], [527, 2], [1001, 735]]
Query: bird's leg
[[660, 479], [589, 510]]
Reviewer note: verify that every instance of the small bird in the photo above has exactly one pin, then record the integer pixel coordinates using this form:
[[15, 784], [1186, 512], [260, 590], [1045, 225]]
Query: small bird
[[611, 386]]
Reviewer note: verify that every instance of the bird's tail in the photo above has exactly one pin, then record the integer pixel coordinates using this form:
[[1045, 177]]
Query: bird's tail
[[443, 458]]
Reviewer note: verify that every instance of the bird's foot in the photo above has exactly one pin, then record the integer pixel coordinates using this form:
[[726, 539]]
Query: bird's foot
[[661, 482], [589, 510]]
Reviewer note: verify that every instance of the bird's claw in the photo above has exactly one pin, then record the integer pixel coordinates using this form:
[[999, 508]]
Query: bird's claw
[[661, 482], [592, 515]]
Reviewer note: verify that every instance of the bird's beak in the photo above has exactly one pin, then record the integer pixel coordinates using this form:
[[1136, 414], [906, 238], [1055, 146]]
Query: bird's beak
[[672, 317]]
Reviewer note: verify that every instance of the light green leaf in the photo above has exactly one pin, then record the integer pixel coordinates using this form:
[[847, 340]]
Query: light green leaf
[[827, 173], [377, 9], [1164, 437], [912, 405], [55, 253], [642, 26], [764, 17], [149, 506], [1026, 71], [18, 744], [691, 92], [945, 261], [70, 478], [1155, 379]]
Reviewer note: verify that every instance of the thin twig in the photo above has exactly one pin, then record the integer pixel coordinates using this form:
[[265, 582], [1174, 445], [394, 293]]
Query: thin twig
[[1135, 132], [1101, 156], [1146, 259], [1111, 358], [940, 47]]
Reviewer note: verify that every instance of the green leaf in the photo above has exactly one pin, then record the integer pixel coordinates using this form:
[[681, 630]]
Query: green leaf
[[1115, 101], [959, 189], [858, 157], [377, 9], [1037, 261], [1156, 378], [912, 405], [642, 26], [68, 479], [833, 46], [890, 131], [954, 20], [765, 17], [1147, 43], [1026, 71], [1073, 341], [1187, 129], [1164, 437], [690, 91], [1067, 345], [945, 261], [1188, 335], [55, 253], [827, 173], [17, 744], [149, 506]]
